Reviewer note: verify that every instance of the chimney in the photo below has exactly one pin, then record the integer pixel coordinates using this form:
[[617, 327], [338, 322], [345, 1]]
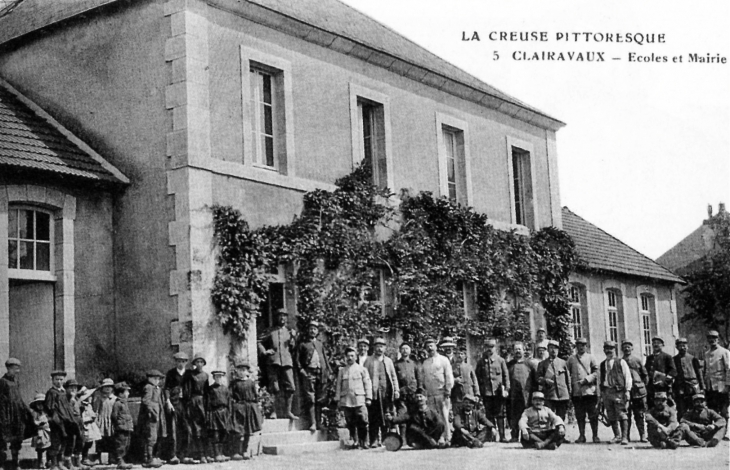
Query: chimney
[[721, 208], [709, 211]]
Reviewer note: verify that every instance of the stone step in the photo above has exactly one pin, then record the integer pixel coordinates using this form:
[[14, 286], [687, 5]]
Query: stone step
[[278, 425], [291, 437], [302, 448]]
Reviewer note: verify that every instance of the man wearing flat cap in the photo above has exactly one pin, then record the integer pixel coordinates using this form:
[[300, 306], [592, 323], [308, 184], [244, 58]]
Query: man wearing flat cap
[[583, 369], [553, 378], [493, 380], [540, 427], [689, 380], [312, 363], [541, 345], [151, 419], [665, 432], [717, 376], [363, 346], [471, 426], [637, 403], [277, 345], [465, 381], [705, 428], [194, 385], [424, 425], [15, 416], [438, 380], [615, 382], [661, 369], [173, 393], [385, 389], [447, 347], [408, 373], [64, 428], [354, 393]]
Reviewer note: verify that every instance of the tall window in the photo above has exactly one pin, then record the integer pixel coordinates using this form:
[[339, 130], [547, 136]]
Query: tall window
[[263, 104], [372, 139], [614, 312], [522, 187], [575, 311], [451, 159], [29, 239], [648, 321]]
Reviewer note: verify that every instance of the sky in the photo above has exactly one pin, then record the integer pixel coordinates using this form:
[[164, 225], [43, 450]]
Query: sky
[[647, 144]]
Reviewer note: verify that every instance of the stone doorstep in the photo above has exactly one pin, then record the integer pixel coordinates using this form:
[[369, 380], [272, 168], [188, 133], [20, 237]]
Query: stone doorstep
[[278, 425], [302, 448]]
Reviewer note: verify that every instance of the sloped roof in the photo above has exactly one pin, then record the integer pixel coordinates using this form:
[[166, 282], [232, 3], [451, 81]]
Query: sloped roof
[[601, 251], [31, 140], [329, 23]]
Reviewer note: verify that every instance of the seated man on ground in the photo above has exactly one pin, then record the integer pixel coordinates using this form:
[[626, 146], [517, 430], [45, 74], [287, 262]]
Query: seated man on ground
[[424, 425], [471, 426], [706, 428], [540, 427], [664, 432]]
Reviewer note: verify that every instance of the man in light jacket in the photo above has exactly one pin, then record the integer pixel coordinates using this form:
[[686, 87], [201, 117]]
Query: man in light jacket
[[583, 369], [384, 389], [354, 393]]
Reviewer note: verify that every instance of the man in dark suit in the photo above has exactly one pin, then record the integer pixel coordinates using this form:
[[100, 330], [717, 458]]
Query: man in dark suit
[[314, 371], [493, 381], [661, 369], [689, 378]]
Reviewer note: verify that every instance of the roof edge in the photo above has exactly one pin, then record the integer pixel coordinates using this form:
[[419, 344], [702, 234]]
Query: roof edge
[[66, 133]]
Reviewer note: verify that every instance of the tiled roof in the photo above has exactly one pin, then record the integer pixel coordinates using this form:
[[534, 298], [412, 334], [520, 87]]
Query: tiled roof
[[31, 140], [604, 252], [329, 23]]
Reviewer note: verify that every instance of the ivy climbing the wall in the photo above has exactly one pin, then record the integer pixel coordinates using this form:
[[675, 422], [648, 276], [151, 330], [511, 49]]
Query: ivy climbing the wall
[[430, 254]]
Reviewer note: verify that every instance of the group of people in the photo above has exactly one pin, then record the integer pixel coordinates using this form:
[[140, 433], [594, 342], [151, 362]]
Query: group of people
[[443, 400], [201, 421]]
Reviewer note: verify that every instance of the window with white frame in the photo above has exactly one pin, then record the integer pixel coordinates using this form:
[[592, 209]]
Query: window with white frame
[[30, 235], [576, 312], [371, 142], [263, 121], [522, 193], [648, 321], [615, 315], [455, 164]]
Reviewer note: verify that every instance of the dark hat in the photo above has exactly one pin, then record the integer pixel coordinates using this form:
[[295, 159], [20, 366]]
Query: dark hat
[[539, 395], [282, 311], [122, 386], [661, 395], [217, 372], [379, 341], [713, 334], [405, 343], [552, 342], [681, 341], [350, 349], [656, 338], [106, 383], [420, 391], [12, 362], [199, 357], [471, 398], [71, 383], [626, 341], [155, 373], [38, 397], [243, 363], [447, 342], [490, 343], [581, 341], [363, 341], [698, 396], [462, 348], [429, 340], [180, 356], [609, 344], [58, 372]]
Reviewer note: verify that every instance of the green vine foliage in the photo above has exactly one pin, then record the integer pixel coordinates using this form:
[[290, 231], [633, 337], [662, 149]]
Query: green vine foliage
[[351, 243]]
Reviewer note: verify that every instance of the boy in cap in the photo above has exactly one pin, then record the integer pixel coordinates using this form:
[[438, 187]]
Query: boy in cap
[[63, 426], [637, 403], [471, 426], [717, 375], [385, 389], [151, 420], [174, 407], [312, 363], [218, 416], [354, 393], [246, 416], [540, 427], [615, 384], [278, 344], [661, 369], [74, 452], [493, 379], [663, 429], [705, 428], [103, 404], [583, 369], [15, 416], [122, 423], [689, 378], [194, 385]]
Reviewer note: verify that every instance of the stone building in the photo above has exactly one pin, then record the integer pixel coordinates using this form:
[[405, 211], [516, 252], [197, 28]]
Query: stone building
[[621, 294], [248, 103], [683, 258]]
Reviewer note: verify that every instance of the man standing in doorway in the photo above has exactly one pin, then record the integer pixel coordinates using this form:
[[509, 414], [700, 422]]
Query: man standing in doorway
[[314, 371], [278, 344]]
